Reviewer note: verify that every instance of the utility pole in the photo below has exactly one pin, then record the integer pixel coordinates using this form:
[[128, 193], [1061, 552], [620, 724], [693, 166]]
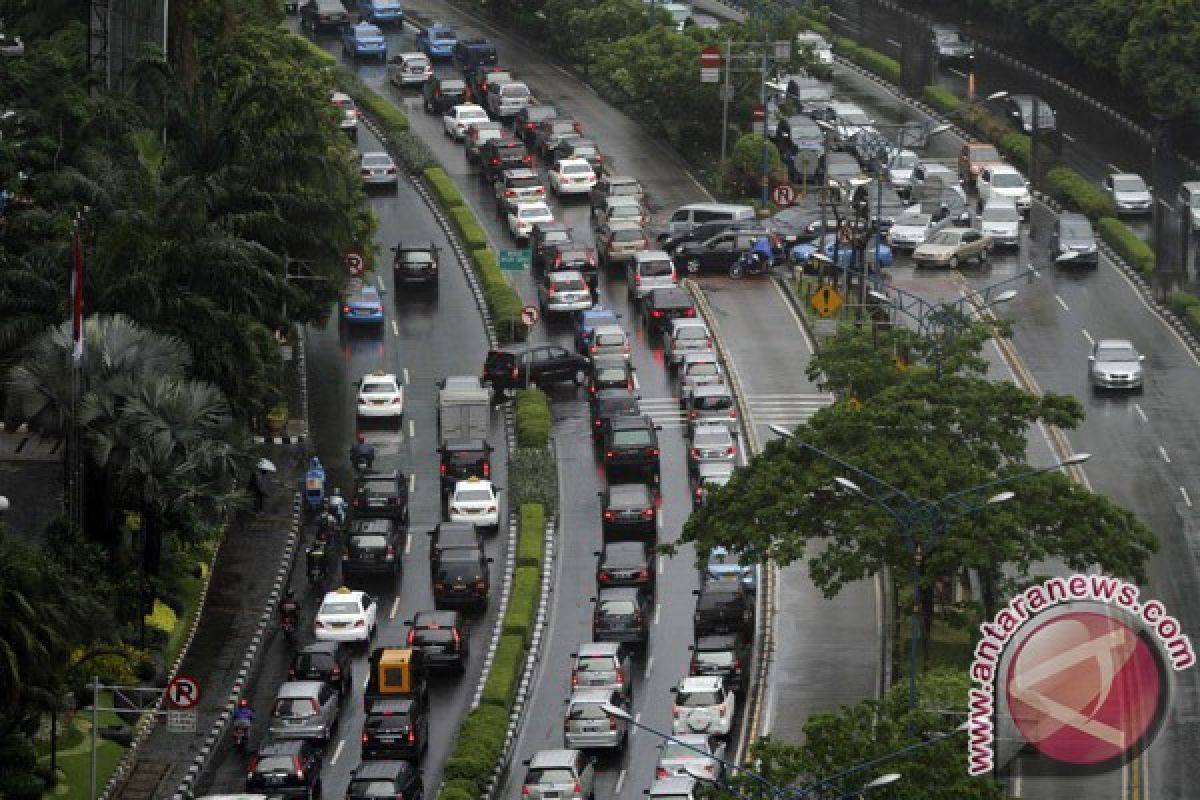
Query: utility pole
[[766, 149], [726, 96]]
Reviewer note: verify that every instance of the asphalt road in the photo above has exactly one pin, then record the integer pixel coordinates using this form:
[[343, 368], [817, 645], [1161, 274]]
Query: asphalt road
[[425, 337]]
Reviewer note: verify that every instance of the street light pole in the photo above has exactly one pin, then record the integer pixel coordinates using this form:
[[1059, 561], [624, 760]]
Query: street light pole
[[766, 151]]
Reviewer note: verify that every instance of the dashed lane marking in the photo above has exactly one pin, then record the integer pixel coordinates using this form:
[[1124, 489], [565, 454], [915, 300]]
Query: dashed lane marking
[[1186, 499], [395, 608], [1137, 409], [1062, 302], [1088, 336], [1162, 451], [396, 332], [337, 751]]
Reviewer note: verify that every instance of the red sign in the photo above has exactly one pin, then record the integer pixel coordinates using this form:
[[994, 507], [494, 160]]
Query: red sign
[[183, 692], [354, 263], [759, 113], [710, 57]]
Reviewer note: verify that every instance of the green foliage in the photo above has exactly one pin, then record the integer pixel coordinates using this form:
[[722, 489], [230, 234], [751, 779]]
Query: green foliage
[[502, 299], [443, 186], [874, 61], [1192, 318], [454, 790], [1019, 149], [473, 768], [531, 535], [533, 477], [507, 665], [1078, 193], [745, 169], [473, 235], [523, 602], [942, 99], [533, 418], [476, 751], [1181, 301], [18, 785], [1136, 252]]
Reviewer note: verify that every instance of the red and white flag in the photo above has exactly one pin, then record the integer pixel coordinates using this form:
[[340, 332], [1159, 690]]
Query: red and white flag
[[77, 300]]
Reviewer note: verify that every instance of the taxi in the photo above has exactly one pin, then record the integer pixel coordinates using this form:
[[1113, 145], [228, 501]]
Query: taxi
[[475, 501], [346, 615]]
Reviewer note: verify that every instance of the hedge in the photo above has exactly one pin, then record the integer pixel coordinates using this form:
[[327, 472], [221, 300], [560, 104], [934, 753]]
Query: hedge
[[468, 227], [523, 602], [1181, 301], [447, 193], [507, 666], [532, 477], [1078, 193], [884, 66], [533, 418], [531, 535], [448, 792], [943, 100], [473, 760], [502, 300], [1127, 244]]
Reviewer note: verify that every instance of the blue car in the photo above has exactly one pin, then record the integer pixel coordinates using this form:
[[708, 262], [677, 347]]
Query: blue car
[[437, 41], [361, 305], [381, 12], [364, 41], [587, 321], [802, 252]]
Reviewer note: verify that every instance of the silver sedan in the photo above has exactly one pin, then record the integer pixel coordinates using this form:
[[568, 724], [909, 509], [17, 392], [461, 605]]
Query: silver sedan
[[680, 757], [378, 169], [1115, 364]]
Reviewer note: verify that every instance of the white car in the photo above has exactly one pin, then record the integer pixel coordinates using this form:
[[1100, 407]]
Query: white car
[[1004, 181], [409, 69], [899, 170], [380, 395], [703, 705], [523, 216], [1129, 192], [349, 120], [346, 615], [1001, 221], [909, 230], [822, 49], [680, 14], [620, 206], [474, 501], [571, 176], [378, 169], [460, 117], [680, 758]]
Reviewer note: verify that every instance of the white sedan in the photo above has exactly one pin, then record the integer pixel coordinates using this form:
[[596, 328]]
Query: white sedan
[[380, 395], [523, 216], [910, 230], [460, 118], [474, 501], [571, 176], [346, 615]]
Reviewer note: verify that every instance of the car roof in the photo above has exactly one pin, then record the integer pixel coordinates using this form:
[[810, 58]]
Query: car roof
[[597, 649], [591, 695], [382, 769], [391, 705], [564, 275], [1115, 343], [628, 489], [711, 428], [688, 322], [707, 357], [604, 329], [652, 255], [674, 785], [472, 483], [554, 758], [616, 393], [623, 224], [712, 389], [701, 683], [299, 689], [631, 422], [714, 468], [439, 618], [342, 593], [718, 641], [330, 648]]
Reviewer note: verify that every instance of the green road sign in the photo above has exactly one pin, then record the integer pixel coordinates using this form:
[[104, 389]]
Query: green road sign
[[514, 260]]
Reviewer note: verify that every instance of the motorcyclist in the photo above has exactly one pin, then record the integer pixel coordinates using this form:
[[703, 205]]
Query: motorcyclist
[[337, 504], [289, 609], [363, 451], [763, 251], [243, 714], [327, 521], [314, 558]]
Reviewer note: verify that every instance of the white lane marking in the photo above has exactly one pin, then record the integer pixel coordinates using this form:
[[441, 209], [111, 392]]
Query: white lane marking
[[405, 369], [638, 716], [1162, 451], [1069, 138], [1088, 336], [337, 751], [1137, 409], [658, 606], [636, 384], [649, 664], [395, 608], [895, 44], [407, 544], [366, 680], [412, 482], [837, 16], [396, 332], [379, 283], [412, 429], [620, 783], [1166, 205], [799, 325], [1062, 302], [1114, 168], [959, 73], [1186, 499], [662, 566]]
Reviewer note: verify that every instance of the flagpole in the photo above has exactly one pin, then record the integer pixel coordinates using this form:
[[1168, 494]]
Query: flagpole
[[74, 437]]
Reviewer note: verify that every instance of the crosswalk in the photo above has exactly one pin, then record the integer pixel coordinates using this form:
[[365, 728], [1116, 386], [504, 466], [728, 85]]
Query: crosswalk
[[785, 410]]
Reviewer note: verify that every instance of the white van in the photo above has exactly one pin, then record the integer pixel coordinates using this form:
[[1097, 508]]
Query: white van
[[688, 217]]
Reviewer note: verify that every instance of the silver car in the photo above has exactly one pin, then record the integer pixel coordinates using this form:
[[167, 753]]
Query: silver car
[[679, 757], [378, 169], [603, 665], [1115, 364], [587, 726], [698, 369], [676, 788], [305, 710], [711, 405], [559, 775], [1001, 221], [649, 270], [685, 336], [711, 443], [609, 340], [561, 292]]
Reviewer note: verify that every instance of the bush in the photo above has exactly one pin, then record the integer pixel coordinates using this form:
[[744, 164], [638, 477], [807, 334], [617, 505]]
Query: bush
[[507, 665], [1019, 148], [469, 228], [1192, 318], [21, 786], [943, 100], [449, 792], [1180, 302], [1077, 192], [987, 125], [162, 617], [468, 788], [523, 602], [533, 418], [488, 724], [447, 193], [876, 62], [502, 300], [306, 49], [473, 769], [532, 478], [1137, 253], [531, 535]]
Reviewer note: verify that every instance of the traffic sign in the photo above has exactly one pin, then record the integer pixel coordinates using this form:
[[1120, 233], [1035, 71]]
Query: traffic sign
[[784, 194], [181, 721], [183, 693], [355, 263], [514, 260], [826, 300], [530, 316], [710, 57], [710, 75], [759, 113]]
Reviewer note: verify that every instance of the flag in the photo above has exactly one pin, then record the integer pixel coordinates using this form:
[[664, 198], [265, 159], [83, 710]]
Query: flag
[[77, 300]]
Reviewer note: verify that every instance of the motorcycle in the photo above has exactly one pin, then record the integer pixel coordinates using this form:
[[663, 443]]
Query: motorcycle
[[316, 566], [327, 526], [241, 735], [288, 623], [749, 264], [314, 486]]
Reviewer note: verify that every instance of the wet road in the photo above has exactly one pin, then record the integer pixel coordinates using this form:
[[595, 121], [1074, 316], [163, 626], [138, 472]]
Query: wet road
[[426, 336]]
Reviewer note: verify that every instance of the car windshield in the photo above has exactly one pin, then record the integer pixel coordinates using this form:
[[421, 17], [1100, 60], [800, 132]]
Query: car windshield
[[627, 235], [842, 168], [514, 90], [576, 169], [416, 257], [274, 764], [293, 707], [587, 711], [529, 182], [721, 658], [944, 237], [610, 339], [905, 160], [1076, 229], [443, 36], [368, 541], [550, 775], [388, 722], [656, 269], [703, 698], [472, 496], [635, 438], [625, 211], [339, 608], [678, 750], [854, 116], [691, 332], [1129, 183], [1116, 352], [611, 406], [313, 662], [472, 116], [625, 189], [569, 284], [378, 387], [1008, 180], [452, 86], [376, 160], [594, 664], [1001, 214], [713, 402], [987, 153], [703, 368], [370, 788], [704, 438], [439, 636], [611, 373], [418, 62], [617, 608], [562, 126], [583, 150], [914, 220]]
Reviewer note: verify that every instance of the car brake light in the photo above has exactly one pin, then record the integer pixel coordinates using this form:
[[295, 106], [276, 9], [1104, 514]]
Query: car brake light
[[439, 587], [600, 158], [412, 736], [737, 665], [595, 349], [552, 291], [708, 343], [495, 162], [487, 469], [442, 469], [692, 414], [527, 159], [689, 312], [656, 313], [525, 791], [578, 129], [457, 638], [654, 452], [437, 92], [390, 554], [612, 723], [733, 413], [391, 171], [558, 259], [603, 577], [510, 193], [578, 788], [610, 454], [412, 637], [662, 773], [480, 586], [591, 388], [365, 737], [644, 575], [597, 423], [358, 623], [609, 516], [721, 709], [699, 493], [491, 510], [513, 373], [299, 768], [637, 278], [695, 453], [647, 513], [692, 666], [731, 451], [291, 674], [675, 711]]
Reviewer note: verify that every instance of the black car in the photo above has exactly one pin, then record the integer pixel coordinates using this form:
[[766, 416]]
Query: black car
[[477, 78], [722, 607], [533, 365], [663, 305], [393, 780], [801, 222], [583, 148], [471, 52], [622, 614], [724, 654], [452, 536], [1073, 235], [443, 636], [625, 564], [1017, 109], [286, 768], [372, 549], [526, 121], [550, 132], [606, 404], [545, 234], [610, 372], [323, 661], [381, 494], [415, 264], [442, 94], [630, 447], [395, 728], [461, 459], [323, 15], [461, 578], [716, 254], [500, 154], [629, 509], [703, 232], [571, 256]]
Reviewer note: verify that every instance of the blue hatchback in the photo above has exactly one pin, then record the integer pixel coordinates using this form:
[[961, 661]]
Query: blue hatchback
[[381, 12], [437, 41], [587, 321], [364, 41], [876, 251], [361, 305]]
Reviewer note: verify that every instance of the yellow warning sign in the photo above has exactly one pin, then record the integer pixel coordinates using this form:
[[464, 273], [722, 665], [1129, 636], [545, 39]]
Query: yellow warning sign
[[826, 300]]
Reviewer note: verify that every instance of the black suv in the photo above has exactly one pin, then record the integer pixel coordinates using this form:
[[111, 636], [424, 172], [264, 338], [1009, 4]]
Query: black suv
[[605, 404], [526, 121], [724, 654], [533, 365], [545, 234], [550, 132], [374, 780], [287, 768], [571, 256], [625, 564], [323, 15], [381, 494], [461, 459], [622, 614], [610, 372], [471, 52], [442, 94], [630, 446], [452, 536], [324, 661], [461, 578], [372, 549], [722, 607], [629, 510], [444, 637], [415, 265], [500, 154], [395, 728], [701, 233], [718, 253], [663, 305]]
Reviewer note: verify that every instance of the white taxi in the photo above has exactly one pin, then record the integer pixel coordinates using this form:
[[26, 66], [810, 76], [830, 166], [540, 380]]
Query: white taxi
[[475, 501], [380, 395], [346, 615]]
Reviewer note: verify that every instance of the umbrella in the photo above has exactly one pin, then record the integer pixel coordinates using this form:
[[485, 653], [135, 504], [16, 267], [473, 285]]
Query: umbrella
[[266, 465]]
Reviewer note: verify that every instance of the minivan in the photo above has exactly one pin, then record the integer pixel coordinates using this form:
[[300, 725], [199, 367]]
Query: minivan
[[687, 217], [650, 270]]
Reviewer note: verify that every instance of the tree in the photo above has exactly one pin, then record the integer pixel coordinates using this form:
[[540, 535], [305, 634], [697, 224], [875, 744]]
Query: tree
[[746, 166]]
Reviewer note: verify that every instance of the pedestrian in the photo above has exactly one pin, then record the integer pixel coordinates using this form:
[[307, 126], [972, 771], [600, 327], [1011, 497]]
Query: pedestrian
[[258, 485]]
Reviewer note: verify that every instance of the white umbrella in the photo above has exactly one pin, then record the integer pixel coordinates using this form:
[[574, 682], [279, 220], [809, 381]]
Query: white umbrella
[[266, 465]]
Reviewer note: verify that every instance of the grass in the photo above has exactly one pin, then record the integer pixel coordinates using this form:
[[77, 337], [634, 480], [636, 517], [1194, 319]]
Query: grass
[[189, 592], [75, 754], [950, 646]]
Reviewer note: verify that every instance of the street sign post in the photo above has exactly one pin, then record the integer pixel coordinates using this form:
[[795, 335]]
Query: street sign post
[[514, 260], [530, 315], [826, 301], [759, 113], [183, 693], [710, 57], [708, 75], [181, 721], [355, 263], [784, 194]]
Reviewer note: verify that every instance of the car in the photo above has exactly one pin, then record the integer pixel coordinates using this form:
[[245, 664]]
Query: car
[[437, 40], [723, 654], [440, 94], [545, 234], [571, 176], [621, 614], [1129, 192], [583, 148], [848, 119], [1115, 364], [364, 41], [691, 754], [698, 369], [609, 340], [711, 443], [323, 15], [573, 256], [454, 123], [690, 216], [502, 153], [563, 291], [559, 775], [381, 494], [286, 768], [620, 207], [380, 395], [377, 780], [586, 724], [346, 615], [506, 100], [683, 336], [416, 264], [479, 134], [716, 254], [329, 662], [1074, 240], [395, 728], [703, 705], [541, 365], [12, 46], [679, 13], [722, 607], [842, 169], [525, 215], [911, 229], [526, 122], [629, 445], [471, 52], [461, 579], [1004, 181], [673, 789], [409, 70], [1001, 221], [663, 306], [484, 78], [899, 170], [550, 132], [949, 43], [460, 459], [610, 372], [606, 404], [647, 271], [974, 157], [1017, 109], [381, 12], [372, 549], [378, 169], [722, 565], [615, 185], [444, 636], [709, 476], [361, 304], [305, 710], [800, 142], [801, 222], [712, 404], [820, 48], [348, 121], [586, 322], [628, 510], [946, 204], [603, 665], [933, 173], [446, 536], [620, 563], [518, 185], [953, 246], [476, 501], [619, 241]]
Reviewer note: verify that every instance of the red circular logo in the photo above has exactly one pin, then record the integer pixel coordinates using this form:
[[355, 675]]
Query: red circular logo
[[1084, 688]]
